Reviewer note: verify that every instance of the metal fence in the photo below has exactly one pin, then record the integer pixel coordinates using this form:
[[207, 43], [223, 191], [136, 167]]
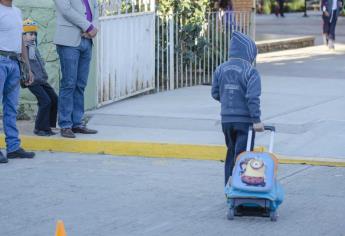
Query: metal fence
[[117, 7], [140, 50], [125, 53], [180, 63]]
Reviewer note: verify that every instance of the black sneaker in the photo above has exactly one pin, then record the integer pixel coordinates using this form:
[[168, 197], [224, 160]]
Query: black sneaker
[[20, 153], [51, 132], [3, 159], [67, 133], [41, 132], [84, 130]]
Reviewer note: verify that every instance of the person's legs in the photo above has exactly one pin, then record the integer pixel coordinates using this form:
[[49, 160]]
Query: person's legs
[[54, 101], [242, 137], [4, 68], [281, 8], [69, 59], [82, 77], [332, 26], [10, 92], [44, 105], [325, 29], [230, 136]]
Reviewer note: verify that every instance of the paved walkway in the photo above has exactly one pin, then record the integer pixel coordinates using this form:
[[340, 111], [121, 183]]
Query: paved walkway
[[294, 24], [99, 195], [302, 95]]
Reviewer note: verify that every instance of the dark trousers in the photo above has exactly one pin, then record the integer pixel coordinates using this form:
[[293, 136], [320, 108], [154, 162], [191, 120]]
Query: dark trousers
[[236, 135], [47, 106], [329, 23], [281, 7]]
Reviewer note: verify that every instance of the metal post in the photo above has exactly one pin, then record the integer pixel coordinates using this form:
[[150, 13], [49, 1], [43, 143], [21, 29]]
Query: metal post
[[305, 9], [171, 52]]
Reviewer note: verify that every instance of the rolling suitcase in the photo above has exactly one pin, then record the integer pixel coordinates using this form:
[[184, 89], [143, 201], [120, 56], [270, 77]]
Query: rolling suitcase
[[254, 188]]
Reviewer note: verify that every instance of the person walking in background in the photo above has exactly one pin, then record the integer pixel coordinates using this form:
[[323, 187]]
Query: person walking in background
[[45, 94], [226, 9], [237, 86], [76, 27], [330, 12], [12, 52], [280, 8]]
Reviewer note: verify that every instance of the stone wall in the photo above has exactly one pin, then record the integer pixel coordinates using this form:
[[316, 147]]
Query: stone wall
[[285, 44]]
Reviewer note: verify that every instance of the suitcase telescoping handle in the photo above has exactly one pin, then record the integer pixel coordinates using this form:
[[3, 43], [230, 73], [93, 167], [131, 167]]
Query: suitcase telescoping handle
[[250, 136]]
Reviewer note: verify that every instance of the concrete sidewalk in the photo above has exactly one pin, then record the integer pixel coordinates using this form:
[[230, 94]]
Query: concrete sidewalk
[[294, 24], [100, 195], [301, 96]]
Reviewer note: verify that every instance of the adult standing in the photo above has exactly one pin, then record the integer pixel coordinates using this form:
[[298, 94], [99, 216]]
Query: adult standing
[[76, 27], [330, 12], [11, 49]]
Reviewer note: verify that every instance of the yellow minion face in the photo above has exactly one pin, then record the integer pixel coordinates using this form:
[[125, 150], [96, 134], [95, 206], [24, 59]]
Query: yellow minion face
[[29, 26]]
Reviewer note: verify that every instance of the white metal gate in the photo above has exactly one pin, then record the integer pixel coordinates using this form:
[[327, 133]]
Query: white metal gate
[[125, 53], [139, 50], [177, 67]]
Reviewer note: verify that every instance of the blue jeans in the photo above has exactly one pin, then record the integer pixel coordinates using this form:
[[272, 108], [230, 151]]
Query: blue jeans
[[75, 64], [9, 91], [236, 135]]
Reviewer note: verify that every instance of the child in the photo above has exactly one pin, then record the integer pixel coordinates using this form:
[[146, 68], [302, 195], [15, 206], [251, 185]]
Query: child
[[237, 85], [45, 94]]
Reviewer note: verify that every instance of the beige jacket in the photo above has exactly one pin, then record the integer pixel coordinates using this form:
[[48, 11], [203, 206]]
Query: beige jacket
[[71, 21]]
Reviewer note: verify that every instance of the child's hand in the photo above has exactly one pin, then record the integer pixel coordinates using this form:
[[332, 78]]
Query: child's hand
[[326, 13], [31, 79], [259, 127]]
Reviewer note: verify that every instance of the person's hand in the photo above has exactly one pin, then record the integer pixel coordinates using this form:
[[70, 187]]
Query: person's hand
[[259, 127], [86, 35], [31, 79], [93, 32], [326, 13]]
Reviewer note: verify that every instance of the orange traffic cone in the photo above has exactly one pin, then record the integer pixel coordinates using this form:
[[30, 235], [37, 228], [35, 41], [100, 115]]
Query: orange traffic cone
[[60, 229]]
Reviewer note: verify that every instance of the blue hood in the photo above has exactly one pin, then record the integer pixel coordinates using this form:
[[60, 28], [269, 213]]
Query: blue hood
[[243, 47]]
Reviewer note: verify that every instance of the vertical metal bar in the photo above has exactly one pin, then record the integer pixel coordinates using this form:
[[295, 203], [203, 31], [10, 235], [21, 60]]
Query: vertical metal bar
[[241, 22], [152, 5], [167, 53], [171, 52], [176, 52], [199, 71], [209, 24], [212, 38], [217, 42], [145, 5], [225, 28], [220, 38], [163, 48], [195, 79], [182, 71], [158, 51]]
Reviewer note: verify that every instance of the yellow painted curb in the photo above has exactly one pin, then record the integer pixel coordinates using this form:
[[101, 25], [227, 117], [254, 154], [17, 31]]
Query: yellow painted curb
[[162, 150]]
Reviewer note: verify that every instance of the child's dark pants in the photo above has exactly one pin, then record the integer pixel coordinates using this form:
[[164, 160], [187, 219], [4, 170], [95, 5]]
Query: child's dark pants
[[236, 135], [47, 106]]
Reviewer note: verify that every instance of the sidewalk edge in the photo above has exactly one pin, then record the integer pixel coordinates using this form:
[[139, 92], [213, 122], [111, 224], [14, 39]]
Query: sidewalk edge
[[147, 149]]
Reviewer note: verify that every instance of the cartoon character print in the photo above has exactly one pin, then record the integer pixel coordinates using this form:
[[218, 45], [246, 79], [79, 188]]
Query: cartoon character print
[[253, 172]]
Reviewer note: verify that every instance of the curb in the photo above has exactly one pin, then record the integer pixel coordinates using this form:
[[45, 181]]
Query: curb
[[146, 149]]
